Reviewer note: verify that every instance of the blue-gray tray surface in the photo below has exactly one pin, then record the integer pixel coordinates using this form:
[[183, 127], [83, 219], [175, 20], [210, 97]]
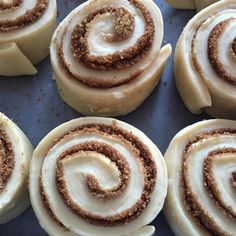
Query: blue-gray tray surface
[[34, 103]]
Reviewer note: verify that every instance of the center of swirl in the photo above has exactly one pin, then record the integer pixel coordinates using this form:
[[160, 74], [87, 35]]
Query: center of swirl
[[124, 25], [93, 185], [123, 29], [7, 162]]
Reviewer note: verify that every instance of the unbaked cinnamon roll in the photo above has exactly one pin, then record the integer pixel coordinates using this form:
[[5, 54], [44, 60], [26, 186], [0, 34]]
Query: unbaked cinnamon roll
[[15, 155], [97, 176], [201, 162], [205, 61], [106, 55], [191, 4], [26, 28]]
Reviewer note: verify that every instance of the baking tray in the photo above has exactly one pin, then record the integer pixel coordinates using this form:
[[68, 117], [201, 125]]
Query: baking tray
[[34, 104]]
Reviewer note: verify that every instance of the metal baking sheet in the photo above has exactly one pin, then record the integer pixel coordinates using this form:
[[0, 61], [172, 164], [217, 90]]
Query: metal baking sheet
[[34, 104]]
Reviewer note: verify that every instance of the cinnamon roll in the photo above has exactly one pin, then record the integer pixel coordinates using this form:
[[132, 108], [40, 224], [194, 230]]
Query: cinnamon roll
[[15, 156], [26, 28], [97, 176], [106, 55], [201, 163], [191, 4], [205, 61]]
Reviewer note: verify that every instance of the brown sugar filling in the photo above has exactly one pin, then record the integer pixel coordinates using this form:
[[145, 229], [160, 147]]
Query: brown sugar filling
[[7, 162], [119, 60], [217, 66], [213, 52], [46, 203], [30, 16], [234, 46], [123, 28], [232, 49], [124, 25], [140, 150], [93, 185], [8, 6], [191, 202], [211, 184], [233, 181]]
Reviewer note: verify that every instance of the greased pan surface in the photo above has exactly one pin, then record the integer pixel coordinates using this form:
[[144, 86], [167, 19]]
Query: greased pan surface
[[34, 103]]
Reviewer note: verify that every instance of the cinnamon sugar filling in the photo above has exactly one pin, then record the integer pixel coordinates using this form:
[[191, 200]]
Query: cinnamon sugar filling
[[30, 16], [119, 60], [46, 203], [232, 49], [213, 56], [9, 6], [213, 52], [124, 25], [211, 184], [93, 185], [123, 28], [137, 147], [234, 46], [233, 181], [191, 202], [7, 162]]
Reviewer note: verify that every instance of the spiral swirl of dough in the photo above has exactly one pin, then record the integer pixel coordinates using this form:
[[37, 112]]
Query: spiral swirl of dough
[[15, 156], [201, 162], [205, 61], [97, 176], [106, 55]]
